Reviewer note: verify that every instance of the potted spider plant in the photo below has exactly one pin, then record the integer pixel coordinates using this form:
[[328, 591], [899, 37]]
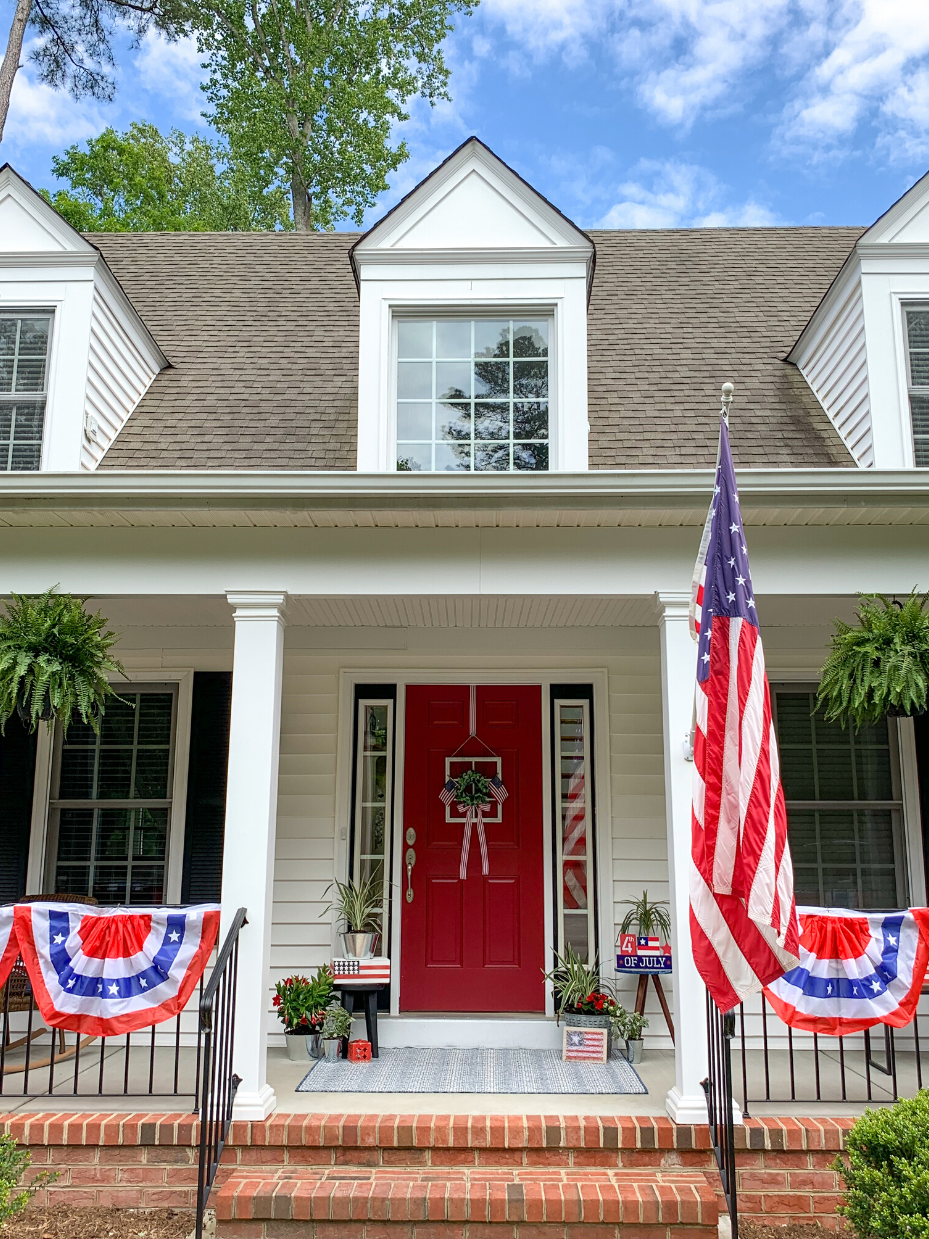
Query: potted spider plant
[[580, 999], [337, 1025], [880, 665], [359, 906], [648, 918], [54, 659]]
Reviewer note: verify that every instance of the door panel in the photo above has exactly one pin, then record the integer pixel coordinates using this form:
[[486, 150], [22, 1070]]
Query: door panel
[[478, 944]]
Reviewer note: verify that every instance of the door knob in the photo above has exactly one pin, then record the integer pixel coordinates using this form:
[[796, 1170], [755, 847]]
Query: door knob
[[410, 862]]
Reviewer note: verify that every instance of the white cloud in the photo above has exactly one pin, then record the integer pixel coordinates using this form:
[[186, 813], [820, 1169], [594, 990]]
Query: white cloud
[[172, 72], [40, 115], [672, 194]]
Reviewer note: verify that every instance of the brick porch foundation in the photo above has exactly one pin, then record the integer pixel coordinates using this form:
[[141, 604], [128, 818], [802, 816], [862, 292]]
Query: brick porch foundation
[[441, 1176]]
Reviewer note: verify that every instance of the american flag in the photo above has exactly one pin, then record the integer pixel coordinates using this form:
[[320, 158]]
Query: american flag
[[743, 920], [585, 1045]]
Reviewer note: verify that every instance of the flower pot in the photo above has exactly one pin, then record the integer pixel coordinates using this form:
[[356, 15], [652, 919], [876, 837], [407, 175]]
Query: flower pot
[[296, 1046], [22, 709], [587, 1019], [359, 946], [634, 1051], [333, 1045], [314, 1045]]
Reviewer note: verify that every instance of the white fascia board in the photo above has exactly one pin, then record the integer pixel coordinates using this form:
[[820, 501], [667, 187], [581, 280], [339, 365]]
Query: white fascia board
[[897, 216], [464, 258], [338, 489], [821, 318]]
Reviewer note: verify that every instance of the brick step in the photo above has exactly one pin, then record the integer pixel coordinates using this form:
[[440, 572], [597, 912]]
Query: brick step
[[382, 1203]]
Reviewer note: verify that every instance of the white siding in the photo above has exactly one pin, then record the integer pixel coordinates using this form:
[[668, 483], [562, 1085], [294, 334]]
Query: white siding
[[835, 365], [118, 374]]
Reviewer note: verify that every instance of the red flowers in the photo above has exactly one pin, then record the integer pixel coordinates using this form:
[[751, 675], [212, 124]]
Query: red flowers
[[276, 1000], [597, 1003]]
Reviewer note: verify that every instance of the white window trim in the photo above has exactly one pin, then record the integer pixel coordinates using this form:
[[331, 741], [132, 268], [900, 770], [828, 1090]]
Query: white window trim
[[548, 311], [38, 838], [904, 303], [602, 823]]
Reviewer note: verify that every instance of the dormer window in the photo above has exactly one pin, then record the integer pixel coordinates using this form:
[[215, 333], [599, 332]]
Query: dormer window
[[917, 367], [24, 342], [473, 393]]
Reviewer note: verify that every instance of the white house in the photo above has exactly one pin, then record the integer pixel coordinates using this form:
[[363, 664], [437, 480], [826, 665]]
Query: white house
[[325, 485]]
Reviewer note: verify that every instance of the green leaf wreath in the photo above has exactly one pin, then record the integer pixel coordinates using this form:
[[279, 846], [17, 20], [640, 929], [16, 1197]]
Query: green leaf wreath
[[880, 665], [472, 788], [54, 659]]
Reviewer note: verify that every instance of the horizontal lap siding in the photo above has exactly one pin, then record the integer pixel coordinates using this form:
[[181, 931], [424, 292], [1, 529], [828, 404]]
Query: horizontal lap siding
[[836, 368], [118, 375]]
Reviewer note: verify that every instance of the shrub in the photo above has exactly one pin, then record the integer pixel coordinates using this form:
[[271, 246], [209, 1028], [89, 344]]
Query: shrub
[[14, 1162], [887, 1175]]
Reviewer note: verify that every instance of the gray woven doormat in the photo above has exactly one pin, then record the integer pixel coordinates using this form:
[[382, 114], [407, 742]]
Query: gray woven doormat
[[471, 1071]]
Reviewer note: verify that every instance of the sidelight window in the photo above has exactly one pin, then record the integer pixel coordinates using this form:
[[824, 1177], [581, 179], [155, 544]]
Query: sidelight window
[[574, 827], [373, 795], [111, 808], [473, 394], [917, 374], [24, 344], [844, 807]]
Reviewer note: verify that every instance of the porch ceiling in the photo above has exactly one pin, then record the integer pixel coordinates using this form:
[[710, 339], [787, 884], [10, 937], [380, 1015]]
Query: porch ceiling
[[595, 499]]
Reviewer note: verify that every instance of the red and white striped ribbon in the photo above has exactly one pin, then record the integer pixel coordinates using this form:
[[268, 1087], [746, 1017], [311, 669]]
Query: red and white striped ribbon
[[474, 816]]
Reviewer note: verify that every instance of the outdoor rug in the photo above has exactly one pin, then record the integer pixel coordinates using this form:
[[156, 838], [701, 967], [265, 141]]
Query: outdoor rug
[[471, 1071]]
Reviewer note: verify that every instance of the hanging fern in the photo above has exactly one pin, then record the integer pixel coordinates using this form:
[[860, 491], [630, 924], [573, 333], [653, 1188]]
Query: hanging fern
[[880, 665], [54, 657]]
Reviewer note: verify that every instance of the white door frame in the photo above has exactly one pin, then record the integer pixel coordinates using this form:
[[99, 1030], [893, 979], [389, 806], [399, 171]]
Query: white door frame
[[598, 677]]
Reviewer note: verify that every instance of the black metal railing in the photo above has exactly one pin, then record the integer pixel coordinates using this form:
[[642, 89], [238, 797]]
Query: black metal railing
[[780, 1064], [720, 1029], [35, 1061], [219, 1081]]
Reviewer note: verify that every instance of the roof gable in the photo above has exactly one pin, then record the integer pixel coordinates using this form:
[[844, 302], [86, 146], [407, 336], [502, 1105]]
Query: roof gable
[[906, 222], [28, 225], [473, 201]]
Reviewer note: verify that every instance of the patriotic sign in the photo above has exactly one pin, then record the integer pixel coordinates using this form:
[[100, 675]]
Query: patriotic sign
[[474, 817], [374, 971], [643, 954], [742, 916], [9, 949], [107, 971], [855, 971], [585, 1045]]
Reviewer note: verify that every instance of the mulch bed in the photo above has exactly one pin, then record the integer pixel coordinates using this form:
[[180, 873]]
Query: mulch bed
[[94, 1222], [749, 1229]]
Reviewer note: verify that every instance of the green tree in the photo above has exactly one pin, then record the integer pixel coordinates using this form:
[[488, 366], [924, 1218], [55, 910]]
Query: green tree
[[144, 181], [306, 92], [73, 48]]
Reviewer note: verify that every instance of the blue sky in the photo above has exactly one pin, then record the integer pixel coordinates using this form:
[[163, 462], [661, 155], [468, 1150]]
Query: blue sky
[[624, 113]]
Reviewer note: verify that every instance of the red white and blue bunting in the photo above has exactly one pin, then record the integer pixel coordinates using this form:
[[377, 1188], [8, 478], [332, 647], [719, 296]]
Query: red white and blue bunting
[[108, 971], [856, 970]]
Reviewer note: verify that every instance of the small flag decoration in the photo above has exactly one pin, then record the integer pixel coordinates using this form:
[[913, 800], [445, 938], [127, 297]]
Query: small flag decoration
[[375, 971], [585, 1045]]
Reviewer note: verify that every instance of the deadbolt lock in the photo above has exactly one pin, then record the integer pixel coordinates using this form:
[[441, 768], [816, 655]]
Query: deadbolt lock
[[410, 835]]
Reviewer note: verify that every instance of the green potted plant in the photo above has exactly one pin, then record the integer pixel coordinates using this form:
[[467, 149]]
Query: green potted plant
[[880, 665], [359, 906], [301, 1003], [647, 918], [54, 659], [580, 999], [630, 1026], [336, 1026]]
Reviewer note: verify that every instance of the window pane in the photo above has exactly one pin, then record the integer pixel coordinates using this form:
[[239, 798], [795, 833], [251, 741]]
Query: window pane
[[150, 834], [451, 457], [414, 380], [917, 322], [489, 456], [530, 339], [530, 456], [574, 834], [414, 421], [530, 379], [452, 339], [75, 834], [414, 456], [151, 774], [72, 880], [77, 773], [155, 718], [454, 422], [491, 339], [147, 885], [491, 420], [530, 420], [110, 883], [414, 339], [114, 774], [452, 380]]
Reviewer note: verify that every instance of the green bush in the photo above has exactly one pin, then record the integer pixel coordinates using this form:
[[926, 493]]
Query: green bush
[[14, 1162], [887, 1175]]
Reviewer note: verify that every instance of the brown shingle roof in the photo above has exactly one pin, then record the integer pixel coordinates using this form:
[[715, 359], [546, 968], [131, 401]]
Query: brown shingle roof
[[262, 333], [674, 314]]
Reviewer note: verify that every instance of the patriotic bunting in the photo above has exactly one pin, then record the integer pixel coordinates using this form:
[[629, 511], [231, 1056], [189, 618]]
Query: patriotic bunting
[[108, 971], [9, 949], [742, 916], [855, 971]]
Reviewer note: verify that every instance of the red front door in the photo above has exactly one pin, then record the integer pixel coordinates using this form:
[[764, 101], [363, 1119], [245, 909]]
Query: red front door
[[478, 944]]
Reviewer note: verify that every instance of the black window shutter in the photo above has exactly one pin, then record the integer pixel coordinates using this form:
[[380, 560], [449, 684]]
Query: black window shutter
[[206, 787], [17, 777], [921, 725]]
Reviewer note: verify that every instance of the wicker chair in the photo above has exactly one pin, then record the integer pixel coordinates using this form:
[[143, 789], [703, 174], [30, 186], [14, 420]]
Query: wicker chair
[[16, 994]]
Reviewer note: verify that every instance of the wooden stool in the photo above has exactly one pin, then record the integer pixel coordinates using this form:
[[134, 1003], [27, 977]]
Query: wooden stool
[[641, 993]]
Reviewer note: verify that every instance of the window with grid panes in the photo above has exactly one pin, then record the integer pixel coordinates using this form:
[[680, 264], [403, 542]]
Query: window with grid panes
[[24, 343], [917, 364], [373, 798], [111, 810], [574, 837], [473, 394], [844, 807]]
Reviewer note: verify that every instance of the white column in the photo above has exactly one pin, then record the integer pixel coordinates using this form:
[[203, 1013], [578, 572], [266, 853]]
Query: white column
[[685, 1102], [251, 821]]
